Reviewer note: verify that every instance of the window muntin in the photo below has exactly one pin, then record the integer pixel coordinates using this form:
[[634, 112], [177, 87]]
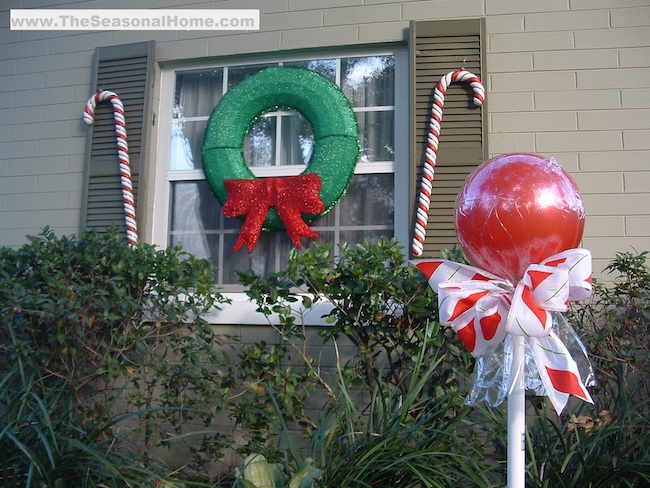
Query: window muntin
[[279, 144]]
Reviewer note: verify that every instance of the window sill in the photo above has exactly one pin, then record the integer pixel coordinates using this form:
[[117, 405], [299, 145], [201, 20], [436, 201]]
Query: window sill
[[242, 311]]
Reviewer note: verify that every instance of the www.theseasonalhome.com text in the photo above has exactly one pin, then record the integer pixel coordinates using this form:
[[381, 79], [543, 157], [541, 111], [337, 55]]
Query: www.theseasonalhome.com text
[[134, 19]]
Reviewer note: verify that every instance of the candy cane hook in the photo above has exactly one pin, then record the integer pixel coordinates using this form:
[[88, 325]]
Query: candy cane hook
[[122, 154], [424, 201]]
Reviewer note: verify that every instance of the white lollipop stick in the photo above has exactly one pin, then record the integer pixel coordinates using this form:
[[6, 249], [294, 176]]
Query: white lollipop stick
[[123, 156], [424, 201]]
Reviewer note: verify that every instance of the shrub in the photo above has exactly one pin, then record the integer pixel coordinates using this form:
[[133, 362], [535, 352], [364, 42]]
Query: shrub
[[406, 435], [395, 413], [117, 329], [106, 359], [378, 302], [44, 442], [382, 307], [400, 436]]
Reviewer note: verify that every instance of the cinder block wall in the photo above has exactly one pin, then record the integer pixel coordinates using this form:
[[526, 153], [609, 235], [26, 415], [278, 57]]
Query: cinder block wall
[[565, 78]]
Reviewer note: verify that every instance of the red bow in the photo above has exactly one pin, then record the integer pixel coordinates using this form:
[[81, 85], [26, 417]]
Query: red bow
[[290, 195]]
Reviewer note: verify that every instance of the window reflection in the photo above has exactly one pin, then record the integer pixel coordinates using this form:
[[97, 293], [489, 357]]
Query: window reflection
[[181, 155], [369, 81], [297, 139], [239, 73], [325, 67], [370, 200], [287, 128]]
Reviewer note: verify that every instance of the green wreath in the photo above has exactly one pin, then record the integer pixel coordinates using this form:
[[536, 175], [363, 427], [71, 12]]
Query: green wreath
[[321, 102]]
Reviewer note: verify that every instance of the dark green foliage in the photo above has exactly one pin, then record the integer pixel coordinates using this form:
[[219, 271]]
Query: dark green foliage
[[81, 308], [404, 436], [395, 413], [105, 334], [378, 302], [106, 362], [382, 306], [44, 442]]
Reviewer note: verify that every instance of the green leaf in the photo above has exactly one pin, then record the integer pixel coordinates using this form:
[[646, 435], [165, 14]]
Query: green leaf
[[259, 472], [306, 476]]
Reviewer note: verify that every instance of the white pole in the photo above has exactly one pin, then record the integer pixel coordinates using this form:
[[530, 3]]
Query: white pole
[[517, 418]]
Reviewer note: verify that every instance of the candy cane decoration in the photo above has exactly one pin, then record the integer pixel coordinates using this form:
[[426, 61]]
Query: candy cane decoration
[[424, 202], [122, 154]]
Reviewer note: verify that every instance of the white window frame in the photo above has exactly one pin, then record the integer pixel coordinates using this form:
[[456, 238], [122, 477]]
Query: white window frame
[[241, 310]]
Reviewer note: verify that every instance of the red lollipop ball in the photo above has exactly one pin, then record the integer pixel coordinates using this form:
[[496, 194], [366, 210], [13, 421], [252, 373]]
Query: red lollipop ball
[[515, 210]]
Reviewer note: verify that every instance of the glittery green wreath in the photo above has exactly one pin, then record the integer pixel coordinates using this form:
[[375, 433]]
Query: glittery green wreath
[[321, 102]]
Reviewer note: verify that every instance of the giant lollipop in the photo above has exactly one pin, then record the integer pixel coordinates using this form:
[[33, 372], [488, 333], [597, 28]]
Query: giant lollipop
[[519, 218], [515, 210]]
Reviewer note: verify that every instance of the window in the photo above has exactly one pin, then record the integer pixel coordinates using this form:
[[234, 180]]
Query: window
[[280, 143]]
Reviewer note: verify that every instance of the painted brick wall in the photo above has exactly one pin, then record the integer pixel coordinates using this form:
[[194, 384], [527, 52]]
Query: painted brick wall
[[566, 78]]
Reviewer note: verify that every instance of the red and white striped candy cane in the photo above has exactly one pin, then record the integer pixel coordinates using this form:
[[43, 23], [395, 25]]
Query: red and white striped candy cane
[[122, 154], [424, 202]]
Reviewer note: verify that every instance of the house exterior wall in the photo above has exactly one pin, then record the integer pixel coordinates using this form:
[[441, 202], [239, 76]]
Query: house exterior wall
[[564, 78]]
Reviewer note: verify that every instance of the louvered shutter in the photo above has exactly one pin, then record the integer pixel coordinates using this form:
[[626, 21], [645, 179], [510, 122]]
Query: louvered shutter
[[436, 48], [125, 70]]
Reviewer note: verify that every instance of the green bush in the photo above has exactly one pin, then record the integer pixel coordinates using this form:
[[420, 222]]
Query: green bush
[[78, 308], [378, 302], [107, 360], [116, 329], [395, 413], [406, 435], [399, 436], [44, 442]]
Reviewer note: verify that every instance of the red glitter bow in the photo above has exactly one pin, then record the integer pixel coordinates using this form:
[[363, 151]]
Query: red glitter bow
[[290, 195]]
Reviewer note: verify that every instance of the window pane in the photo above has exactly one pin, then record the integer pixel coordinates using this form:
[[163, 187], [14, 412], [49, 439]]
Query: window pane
[[353, 237], [186, 143], [369, 81], [204, 246], [259, 145], [324, 237], [197, 92], [194, 208], [377, 135], [325, 67], [239, 73], [370, 200], [269, 255], [233, 261], [297, 139]]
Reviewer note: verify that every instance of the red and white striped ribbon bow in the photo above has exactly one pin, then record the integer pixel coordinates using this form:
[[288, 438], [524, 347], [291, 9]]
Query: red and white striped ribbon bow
[[483, 308]]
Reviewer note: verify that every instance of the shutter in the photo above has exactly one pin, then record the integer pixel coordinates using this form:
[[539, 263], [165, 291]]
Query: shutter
[[125, 70], [436, 48]]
